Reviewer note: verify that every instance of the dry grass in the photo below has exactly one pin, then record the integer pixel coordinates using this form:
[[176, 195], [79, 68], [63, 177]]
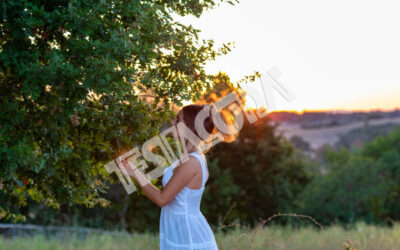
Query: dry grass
[[335, 237], [362, 236]]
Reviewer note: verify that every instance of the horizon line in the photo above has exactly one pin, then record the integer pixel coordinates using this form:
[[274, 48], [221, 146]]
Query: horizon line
[[338, 110]]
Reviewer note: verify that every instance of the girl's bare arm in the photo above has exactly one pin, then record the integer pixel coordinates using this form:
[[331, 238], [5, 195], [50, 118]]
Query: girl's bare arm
[[182, 176]]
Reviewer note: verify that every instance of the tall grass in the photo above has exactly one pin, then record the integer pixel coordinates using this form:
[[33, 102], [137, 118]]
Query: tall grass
[[361, 236]]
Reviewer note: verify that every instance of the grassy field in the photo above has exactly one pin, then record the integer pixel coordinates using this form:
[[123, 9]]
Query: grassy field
[[361, 236]]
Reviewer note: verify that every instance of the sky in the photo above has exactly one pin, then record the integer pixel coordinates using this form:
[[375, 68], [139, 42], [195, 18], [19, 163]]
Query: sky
[[333, 55]]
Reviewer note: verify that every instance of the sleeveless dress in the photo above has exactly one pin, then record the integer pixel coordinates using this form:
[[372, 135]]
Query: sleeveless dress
[[182, 225]]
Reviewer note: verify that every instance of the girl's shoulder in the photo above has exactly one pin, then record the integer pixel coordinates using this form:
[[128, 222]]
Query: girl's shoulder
[[191, 161]]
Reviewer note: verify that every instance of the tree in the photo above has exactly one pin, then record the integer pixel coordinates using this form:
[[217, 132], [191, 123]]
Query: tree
[[359, 185], [300, 143], [261, 173], [265, 169], [82, 80]]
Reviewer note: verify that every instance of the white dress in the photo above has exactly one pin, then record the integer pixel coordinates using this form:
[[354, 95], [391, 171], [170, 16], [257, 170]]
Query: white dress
[[182, 225]]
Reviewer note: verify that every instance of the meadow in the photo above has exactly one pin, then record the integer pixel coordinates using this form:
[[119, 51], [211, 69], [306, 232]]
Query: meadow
[[359, 236]]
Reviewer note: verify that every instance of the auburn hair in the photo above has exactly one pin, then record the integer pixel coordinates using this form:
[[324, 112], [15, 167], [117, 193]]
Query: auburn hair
[[190, 113]]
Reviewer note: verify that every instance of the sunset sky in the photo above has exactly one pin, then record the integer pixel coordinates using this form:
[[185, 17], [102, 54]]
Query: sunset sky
[[334, 55]]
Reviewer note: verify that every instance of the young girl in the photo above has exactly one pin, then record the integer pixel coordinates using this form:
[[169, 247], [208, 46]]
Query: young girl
[[182, 225]]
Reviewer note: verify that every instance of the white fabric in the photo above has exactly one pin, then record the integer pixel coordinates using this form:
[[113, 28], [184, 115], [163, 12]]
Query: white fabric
[[182, 225]]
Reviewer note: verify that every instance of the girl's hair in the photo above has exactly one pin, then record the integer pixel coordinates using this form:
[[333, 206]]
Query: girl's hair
[[190, 113]]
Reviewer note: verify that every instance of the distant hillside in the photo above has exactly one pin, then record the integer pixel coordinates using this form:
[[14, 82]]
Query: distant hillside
[[357, 137], [327, 128], [311, 120]]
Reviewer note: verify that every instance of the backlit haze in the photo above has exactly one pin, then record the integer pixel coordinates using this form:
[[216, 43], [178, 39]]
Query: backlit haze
[[334, 55]]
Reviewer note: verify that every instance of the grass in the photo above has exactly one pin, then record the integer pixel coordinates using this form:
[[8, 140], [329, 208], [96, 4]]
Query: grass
[[335, 237], [362, 236]]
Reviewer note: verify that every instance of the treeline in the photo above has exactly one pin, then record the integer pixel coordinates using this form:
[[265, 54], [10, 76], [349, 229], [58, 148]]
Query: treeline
[[260, 174], [255, 176], [356, 185]]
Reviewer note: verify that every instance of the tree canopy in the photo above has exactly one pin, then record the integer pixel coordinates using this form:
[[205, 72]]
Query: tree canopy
[[80, 80], [358, 185]]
